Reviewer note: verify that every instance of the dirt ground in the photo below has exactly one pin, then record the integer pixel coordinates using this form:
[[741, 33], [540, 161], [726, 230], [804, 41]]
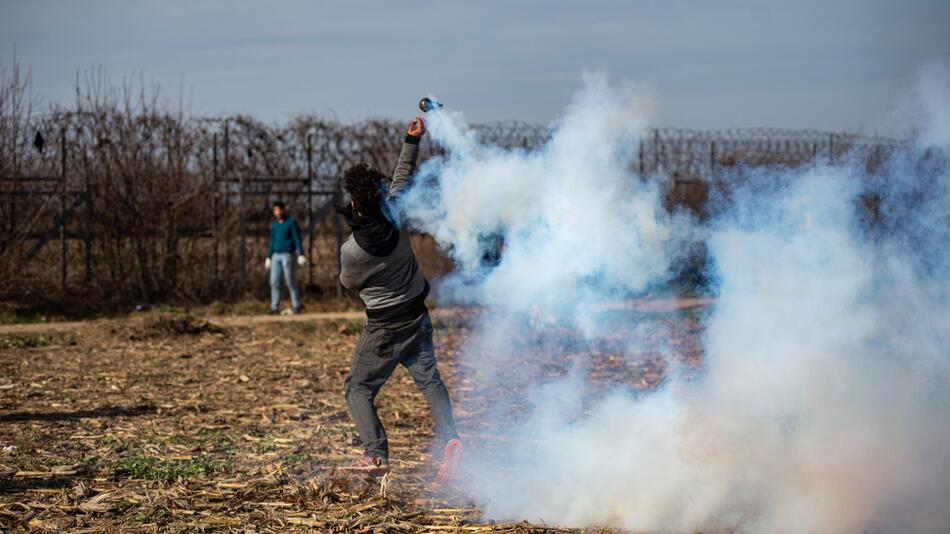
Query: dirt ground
[[175, 424]]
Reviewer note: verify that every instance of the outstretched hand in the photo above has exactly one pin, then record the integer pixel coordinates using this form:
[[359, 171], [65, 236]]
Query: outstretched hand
[[417, 127]]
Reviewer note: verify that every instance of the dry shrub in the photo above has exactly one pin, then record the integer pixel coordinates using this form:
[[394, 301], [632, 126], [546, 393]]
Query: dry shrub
[[156, 202]]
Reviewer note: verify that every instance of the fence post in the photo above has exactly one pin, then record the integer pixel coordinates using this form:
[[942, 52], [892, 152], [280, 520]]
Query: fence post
[[229, 263], [11, 233], [656, 150], [214, 214], [712, 160], [310, 209], [62, 211], [87, 233], [831, 149], [242, 223], [689, 158]]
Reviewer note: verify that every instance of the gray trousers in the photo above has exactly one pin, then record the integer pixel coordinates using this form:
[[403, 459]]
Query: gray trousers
[[283, 264], [380, 349]]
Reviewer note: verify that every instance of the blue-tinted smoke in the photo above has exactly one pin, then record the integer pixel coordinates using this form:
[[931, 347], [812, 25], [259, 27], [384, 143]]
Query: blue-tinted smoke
[[823, 401]]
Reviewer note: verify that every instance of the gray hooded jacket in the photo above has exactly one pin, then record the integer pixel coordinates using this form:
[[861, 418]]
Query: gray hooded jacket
[[392, 287]]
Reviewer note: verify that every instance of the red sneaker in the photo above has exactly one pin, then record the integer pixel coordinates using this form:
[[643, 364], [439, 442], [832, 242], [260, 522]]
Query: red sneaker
[[373, 466], [451, 457]]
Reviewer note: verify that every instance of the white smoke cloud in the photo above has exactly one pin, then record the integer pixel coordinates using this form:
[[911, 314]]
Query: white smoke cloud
[[567, 211], [823, 404], [925, 112]]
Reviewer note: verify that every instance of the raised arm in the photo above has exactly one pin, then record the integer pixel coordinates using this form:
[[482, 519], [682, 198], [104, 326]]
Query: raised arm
[[407, 158]]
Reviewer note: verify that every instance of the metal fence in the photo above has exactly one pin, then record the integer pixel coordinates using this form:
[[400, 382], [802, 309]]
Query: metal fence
[[122, 207]]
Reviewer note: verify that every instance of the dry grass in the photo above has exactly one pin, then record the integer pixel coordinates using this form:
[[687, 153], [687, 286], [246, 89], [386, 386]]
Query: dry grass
[[180, 425]]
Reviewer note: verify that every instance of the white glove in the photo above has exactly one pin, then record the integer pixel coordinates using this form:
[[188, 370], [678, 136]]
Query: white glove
[[301, 260], [267, 264]]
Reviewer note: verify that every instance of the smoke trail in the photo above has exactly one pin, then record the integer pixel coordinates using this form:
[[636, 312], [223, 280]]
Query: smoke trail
[[569, 207], [824, 399]]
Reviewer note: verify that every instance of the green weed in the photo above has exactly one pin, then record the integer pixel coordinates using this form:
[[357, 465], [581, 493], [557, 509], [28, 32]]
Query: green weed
[[152, 468], [25, 341]]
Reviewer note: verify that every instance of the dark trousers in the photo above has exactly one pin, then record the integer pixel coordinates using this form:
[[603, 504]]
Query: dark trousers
[[381, 347]]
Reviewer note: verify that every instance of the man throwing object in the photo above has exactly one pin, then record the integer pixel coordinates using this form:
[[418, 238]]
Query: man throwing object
[[378, 261]]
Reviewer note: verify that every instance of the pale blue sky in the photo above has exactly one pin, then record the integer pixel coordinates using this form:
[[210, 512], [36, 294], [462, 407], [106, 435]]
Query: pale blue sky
[[800, 64]]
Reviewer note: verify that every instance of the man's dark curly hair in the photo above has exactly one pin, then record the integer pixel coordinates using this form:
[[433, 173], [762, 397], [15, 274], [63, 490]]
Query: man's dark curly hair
[[365, 186]]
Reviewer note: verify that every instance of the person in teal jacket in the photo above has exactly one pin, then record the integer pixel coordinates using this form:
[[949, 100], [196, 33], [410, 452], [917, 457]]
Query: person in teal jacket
[[284, 243]]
